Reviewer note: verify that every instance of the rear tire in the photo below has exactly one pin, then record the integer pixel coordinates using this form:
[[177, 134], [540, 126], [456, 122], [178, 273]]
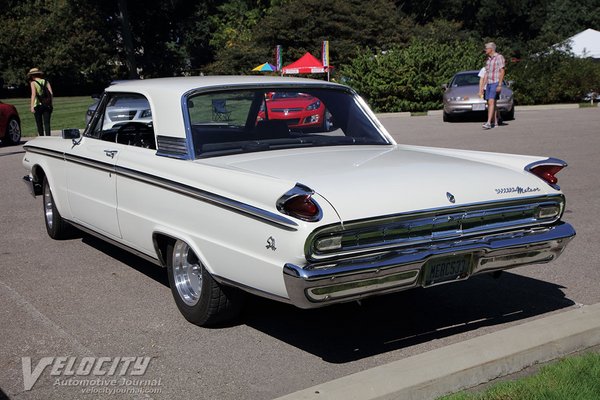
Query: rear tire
[[200, 299], [56, 226]]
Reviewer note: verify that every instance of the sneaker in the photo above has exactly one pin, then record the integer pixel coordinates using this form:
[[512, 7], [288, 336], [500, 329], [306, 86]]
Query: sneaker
[[487, 126]]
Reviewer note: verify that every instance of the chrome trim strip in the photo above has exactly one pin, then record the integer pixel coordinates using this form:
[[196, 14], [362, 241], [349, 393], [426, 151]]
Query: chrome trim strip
[[377, 227], [87, 162], [221, 201], [45, 152], [116, 243], [548, 161], [199, 194], [319, 284]]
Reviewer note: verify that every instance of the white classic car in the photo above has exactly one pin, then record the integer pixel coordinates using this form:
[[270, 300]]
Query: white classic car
[[230, 200]]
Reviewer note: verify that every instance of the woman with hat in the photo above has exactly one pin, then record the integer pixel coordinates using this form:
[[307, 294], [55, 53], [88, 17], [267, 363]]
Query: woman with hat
[[41, 100]]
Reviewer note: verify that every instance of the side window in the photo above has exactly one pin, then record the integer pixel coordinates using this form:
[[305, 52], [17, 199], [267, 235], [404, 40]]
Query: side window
[[124, 118]]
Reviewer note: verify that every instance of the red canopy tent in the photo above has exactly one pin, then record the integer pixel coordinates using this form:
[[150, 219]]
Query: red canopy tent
[[307, 64]]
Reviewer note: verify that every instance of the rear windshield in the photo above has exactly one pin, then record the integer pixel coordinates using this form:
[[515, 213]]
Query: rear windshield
[[250, 120]]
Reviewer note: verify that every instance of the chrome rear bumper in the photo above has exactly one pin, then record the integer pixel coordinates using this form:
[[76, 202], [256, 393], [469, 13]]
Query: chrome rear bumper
[[319, 284]]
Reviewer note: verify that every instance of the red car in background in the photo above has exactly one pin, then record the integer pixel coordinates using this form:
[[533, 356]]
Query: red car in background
[[10, 124], [299, 110]]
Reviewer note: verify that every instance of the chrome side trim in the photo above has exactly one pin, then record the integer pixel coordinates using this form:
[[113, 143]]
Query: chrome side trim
[[45, 152], [221, 201], [198, 194], [116, 243], [548, 161], [319, 284], [106, 167]]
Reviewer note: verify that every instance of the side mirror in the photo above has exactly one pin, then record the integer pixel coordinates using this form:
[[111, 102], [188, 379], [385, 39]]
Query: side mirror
[[445, 86], [70, 133], [509, 83]]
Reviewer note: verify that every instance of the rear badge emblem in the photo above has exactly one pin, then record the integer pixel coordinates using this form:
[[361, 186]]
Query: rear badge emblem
[[450, 197]]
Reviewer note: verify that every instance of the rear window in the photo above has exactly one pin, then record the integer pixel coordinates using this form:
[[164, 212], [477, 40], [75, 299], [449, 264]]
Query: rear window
[[249, 120]]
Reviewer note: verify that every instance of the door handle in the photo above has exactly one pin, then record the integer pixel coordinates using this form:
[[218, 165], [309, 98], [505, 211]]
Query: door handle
[[110, 153]]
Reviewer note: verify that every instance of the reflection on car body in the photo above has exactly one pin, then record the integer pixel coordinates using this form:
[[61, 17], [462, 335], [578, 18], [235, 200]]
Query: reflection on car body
[[311, 216]]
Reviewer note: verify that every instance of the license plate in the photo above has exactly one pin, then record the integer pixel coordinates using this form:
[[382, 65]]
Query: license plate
[[479, 107], [445, 269]]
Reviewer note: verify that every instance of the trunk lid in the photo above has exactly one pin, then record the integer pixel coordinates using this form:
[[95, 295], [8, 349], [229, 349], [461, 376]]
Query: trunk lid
[[367, 181]]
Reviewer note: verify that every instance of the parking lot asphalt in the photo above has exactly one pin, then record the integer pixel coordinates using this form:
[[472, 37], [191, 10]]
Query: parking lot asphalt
[[83, 298]]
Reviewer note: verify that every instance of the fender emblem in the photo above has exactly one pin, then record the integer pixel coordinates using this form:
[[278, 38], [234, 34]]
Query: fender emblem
[[271, 243], [450, 197]]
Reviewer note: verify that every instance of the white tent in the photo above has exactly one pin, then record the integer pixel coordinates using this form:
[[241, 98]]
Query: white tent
[[585, 43]]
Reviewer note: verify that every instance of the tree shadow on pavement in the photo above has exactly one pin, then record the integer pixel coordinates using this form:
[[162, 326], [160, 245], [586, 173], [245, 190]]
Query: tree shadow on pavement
[[349, 332]]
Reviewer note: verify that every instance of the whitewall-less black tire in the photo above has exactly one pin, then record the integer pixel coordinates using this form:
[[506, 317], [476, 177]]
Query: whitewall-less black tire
[[201, 299], [56, 226]]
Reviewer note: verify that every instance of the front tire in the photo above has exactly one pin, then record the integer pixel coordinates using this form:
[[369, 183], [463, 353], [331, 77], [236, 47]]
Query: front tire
[[447, 117], [200, 299], [56, 226], [13, 132]]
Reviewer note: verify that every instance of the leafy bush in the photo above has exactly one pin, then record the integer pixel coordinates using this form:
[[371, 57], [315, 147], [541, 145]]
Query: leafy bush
[[554, 77], [410, 78]]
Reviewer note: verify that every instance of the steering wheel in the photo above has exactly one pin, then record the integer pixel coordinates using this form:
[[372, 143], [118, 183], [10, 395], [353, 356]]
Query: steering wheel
[[134, 133]]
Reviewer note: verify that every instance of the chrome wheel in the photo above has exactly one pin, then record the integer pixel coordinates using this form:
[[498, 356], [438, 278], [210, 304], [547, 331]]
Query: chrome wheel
[[48, 206], [187, 273], [14, 131]]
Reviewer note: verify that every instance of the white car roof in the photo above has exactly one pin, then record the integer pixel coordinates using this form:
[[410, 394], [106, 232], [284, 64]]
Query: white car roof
[[165, 94], [182, 85]]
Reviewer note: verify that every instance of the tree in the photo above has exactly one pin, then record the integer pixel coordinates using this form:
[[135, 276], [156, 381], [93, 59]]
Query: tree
[[302, 26], [410, 78], [57, 37]]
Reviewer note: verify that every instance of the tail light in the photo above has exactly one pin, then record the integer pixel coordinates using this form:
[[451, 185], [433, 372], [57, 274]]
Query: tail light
[[299, 203], [547, 170]]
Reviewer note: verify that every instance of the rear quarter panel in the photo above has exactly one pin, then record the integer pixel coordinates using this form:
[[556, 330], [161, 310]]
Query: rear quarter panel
[[231, 245]]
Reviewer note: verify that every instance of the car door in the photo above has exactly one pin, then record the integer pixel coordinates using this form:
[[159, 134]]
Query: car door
[[92, 185], [91, 177]]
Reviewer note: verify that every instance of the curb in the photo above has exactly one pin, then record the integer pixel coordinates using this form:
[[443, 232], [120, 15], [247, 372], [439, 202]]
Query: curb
[[435, 113], [469, 363]]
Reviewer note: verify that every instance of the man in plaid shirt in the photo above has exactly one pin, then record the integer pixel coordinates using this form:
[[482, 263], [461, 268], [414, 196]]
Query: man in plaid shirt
[[494, 75]]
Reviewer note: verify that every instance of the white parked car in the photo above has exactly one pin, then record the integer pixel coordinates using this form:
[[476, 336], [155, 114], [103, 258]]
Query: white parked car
[[310, 217]]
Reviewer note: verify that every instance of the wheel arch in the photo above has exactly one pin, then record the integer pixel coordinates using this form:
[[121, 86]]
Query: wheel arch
[[38, 174], [162, 239]]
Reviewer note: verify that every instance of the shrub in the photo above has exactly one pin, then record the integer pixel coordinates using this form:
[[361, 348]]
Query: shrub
[[554, 77], [410, 78]]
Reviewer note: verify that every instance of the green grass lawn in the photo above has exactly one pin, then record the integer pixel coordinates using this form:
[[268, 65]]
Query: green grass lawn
[[69, 112], [572, 378]]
